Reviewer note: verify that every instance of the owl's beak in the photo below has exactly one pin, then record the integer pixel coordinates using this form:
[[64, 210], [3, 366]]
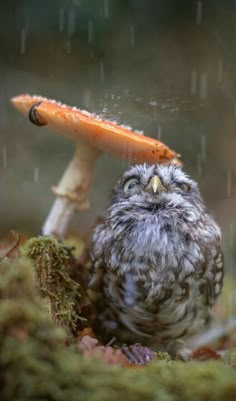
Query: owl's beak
[[155, 184]]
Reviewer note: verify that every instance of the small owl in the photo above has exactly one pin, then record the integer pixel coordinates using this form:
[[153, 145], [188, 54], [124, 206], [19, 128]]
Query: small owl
[[157, 258]]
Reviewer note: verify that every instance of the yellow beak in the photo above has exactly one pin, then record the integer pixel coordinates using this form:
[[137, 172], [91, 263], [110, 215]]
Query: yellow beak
[[156, 184]]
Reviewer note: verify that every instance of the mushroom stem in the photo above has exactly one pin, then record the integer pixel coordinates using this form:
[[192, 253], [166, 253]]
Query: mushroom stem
[[72, 191]]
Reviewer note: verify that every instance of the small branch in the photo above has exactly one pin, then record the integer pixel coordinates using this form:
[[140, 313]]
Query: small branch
[[13, 247]]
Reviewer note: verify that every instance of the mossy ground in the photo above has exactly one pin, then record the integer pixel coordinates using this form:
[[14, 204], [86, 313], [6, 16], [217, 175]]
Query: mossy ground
[[36, 363]]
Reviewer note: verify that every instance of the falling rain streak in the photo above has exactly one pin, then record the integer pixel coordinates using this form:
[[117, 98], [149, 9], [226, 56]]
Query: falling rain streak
[[199, 12], [131, 36], [68, 46], [199, 165], [87, 99], [231, 235], [106, 8], [193, 87], [90, 32], [203, 150], [22, 40], [101, 67], [159, 133], [4, 157], [61, 19], [229, 183], [220, 71], [36, 174], [71, 22], [203, 92]]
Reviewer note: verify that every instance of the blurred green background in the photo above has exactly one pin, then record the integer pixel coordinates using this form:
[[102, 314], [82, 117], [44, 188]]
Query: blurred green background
[[162, 66]]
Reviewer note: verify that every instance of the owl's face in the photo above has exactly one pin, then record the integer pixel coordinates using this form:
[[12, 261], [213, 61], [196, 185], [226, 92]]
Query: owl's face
[[158, 188]]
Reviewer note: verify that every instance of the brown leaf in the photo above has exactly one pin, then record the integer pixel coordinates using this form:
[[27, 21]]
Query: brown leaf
[[205, 353]]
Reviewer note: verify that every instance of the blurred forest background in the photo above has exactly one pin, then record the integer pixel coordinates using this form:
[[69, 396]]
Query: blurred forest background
[[166, 67]]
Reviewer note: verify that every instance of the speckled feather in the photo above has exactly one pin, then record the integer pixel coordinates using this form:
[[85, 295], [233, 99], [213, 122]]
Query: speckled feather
[[157, 259]]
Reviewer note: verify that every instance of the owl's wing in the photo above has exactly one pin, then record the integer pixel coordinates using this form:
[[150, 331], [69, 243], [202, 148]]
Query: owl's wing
[[96, 254], [213, 278], [96, 278]]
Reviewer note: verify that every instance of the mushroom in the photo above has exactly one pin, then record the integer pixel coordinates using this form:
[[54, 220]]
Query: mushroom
[[92, 136]]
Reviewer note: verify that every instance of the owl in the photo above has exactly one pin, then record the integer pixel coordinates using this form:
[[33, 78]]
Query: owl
[[157, 262]]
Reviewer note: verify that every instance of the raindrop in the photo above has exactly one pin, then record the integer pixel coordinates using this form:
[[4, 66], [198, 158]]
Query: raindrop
[[90, 32], [27, 25], [101, 64], [36, 174], [87, 98], [22, 40], [220, 70], [199, 12], [235, 109], [159, 133], [71, 21], [131, 36], [199, 165], [68, 46], [193, 84], [61, 19], [229, 183], [231, 304], [203, 147], [231, 235], [203, 85], [153, 103], [4, 157], [106, 8], [128, 157]]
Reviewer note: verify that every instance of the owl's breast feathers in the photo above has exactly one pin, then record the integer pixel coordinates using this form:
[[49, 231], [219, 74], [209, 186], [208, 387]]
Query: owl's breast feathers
[[158, 282]]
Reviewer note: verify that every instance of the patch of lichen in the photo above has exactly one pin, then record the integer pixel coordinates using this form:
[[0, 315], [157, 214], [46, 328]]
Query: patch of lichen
[[36, 364], [52, 263]]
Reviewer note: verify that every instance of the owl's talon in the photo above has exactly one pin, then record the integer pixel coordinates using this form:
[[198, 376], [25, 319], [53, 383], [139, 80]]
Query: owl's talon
[[138, 354]]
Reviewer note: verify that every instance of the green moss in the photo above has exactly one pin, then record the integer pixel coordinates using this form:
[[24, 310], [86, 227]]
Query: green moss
[[36, 365], [163, 356], [77, 245], [51, 261], [230, 358]]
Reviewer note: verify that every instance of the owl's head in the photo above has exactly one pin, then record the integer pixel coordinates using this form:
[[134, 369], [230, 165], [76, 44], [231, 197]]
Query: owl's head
[[157, 187]]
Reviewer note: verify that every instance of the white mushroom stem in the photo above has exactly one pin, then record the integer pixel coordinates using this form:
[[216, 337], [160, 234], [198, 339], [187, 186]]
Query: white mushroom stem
[[72, 191]]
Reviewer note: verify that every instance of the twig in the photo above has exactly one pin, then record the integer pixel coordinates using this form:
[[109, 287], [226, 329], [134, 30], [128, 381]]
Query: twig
[[13, 247]]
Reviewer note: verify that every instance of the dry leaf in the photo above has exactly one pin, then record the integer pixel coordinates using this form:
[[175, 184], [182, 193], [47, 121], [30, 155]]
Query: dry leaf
[[205, 353]]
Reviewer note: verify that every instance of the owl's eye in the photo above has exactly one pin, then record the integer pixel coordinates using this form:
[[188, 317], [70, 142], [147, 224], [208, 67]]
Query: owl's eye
[[130, 183], [185, 187]]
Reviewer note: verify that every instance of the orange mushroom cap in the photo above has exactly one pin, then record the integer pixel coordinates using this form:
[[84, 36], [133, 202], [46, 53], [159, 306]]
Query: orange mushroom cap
[[105, 135]]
